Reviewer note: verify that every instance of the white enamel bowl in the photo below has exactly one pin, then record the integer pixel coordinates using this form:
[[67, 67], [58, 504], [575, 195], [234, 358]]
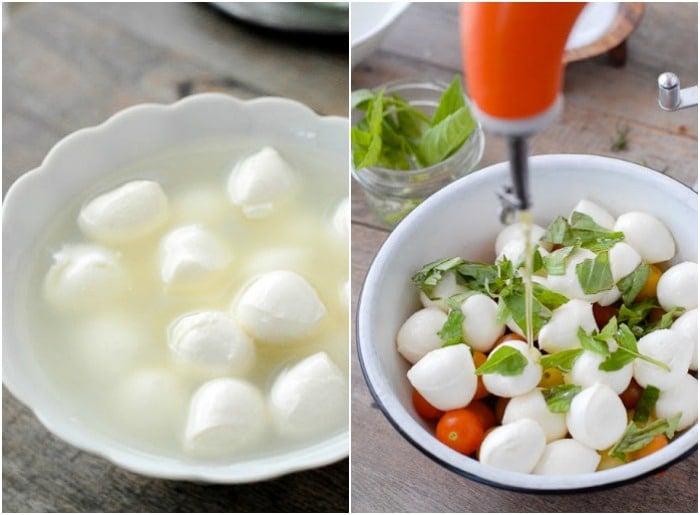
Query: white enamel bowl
[[82, 158], [461, 220]]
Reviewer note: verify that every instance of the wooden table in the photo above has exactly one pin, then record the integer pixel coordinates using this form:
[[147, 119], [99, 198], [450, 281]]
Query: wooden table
[[68, 66], [388, 473]]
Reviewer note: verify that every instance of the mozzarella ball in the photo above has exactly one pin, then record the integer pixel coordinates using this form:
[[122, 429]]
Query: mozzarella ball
[[510, 386], [341, 218], [567, 457], [560, 333], [419, 334], [687, 325], [599, 214], [445, 377], [682, 398], [310, 397], [345, 294], [597, 418], [678, 287], [623, 260], [130, 211], [225, 415], [109, 343], [212, 342], [517, 446], [516, 232], [585, 372], [279, 308], [670, 348], [533, 406], [481, 328], [192, 257], [568, 284], [85, 277], [261, 183], [149, 400], [447, 287], [648, 235]]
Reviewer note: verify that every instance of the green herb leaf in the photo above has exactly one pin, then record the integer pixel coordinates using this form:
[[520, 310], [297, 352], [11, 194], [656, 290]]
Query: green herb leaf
[[506, 361], [360, 98], [592, 343], [609, 331], [478, 276], [555, 262], [581, 232], [451, 101], [627, 352], [563, 360], [440, 141], [632, 283], [431, 274], [646, 404], [594, 275], [635, 437], [558, 232], [548, 298], [451, 332], [456, 300], [559, 397], [666, 320]]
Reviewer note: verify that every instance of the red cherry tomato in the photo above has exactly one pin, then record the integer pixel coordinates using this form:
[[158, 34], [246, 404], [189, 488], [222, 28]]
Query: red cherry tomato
[[479, 359], [460, 430], [484, 412], [424, 408], [630, 397], [603, 314]]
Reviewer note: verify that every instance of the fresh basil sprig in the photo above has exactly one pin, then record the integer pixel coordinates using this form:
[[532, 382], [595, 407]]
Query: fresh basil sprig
[[558, 398], [581, 232], [563, 360], [431, 274], [594, 275], [627, 352], [635, 437], [646, 404], [632, 283], [451, 332], [506, 361]]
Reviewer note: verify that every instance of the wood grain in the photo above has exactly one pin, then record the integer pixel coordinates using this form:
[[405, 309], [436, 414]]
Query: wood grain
[[388, 473], [68, 66]]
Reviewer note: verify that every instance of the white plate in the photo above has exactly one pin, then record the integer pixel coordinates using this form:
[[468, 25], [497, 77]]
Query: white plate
[[369, 22]]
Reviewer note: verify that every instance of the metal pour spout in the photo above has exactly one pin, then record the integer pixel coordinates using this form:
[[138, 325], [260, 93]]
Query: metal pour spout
[[671, 96], [516, 197]]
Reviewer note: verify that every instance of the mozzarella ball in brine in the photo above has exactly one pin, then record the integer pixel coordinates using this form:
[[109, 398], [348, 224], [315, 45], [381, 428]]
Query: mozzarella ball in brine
[[566, 457], [279, 308], [510, 386], [517, 446], [561, 332], [671, 349], [261, 183], [419, 334], [445, 377], [600, 215], [648, 235], [682, 398], [678, 287], [225, 415], [533, 406], [85, 277], [585, 372], [192, 257], [341, 218], [310, 397], [687, 325], [212, 342], [597, 418], [130, 211], [569, 284], [481, 328]]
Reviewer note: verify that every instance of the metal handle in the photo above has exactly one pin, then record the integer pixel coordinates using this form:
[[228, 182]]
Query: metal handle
[[672, 97]]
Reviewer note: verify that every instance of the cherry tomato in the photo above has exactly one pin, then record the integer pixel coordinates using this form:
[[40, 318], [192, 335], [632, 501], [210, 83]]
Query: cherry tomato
[[659, 442], [484, 412], [479, 359], [603, 314], [460, 430], [649, 288], [630, 397], [424, 408], [500, 408], [551, 377], [655, 314], [508, 337]]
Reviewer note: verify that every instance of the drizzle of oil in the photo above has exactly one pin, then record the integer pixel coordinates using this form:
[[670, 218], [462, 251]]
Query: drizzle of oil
[[526, 221]]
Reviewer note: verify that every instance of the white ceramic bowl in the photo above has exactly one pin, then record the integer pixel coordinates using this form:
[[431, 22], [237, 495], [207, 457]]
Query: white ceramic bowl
[[461, 220], [369, 22], [82, 158]]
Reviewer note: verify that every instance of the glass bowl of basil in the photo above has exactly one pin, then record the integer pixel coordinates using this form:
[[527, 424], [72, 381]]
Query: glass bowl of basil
[[411, 138]]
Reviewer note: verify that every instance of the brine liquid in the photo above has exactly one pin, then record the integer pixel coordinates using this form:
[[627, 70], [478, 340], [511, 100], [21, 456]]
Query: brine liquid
[[94, 382], [526, 221]]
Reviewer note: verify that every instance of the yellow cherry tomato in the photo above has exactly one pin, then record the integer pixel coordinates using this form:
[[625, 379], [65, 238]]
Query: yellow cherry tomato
[[551, 377], [649, 288]]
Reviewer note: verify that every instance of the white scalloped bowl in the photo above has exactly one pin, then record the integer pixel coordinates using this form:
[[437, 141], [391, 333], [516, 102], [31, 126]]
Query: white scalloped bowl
[[462, 220], [78, 161]]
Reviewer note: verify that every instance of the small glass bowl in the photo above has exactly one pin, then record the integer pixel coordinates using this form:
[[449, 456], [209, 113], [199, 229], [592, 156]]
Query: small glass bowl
[[392, 194]]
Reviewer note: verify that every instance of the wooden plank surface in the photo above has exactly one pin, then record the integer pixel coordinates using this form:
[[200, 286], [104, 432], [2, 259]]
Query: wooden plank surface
[[68, 66], [388, 473]]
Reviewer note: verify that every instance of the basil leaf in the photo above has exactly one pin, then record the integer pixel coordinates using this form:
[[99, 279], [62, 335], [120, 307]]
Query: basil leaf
[[456, 300], [635, 437], [594, 275], [477, 276], [506, 361], [558, 232], [609, 331], [627, 352], [646, 403], [559, 397], [581, 232], [360, 98], [450, 101], [431, 274], [563, 360], [548, 298], [592, 343], [666, 320], [555, 262], [632, 283], [583, 222], [441, 140], [451, 332]]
